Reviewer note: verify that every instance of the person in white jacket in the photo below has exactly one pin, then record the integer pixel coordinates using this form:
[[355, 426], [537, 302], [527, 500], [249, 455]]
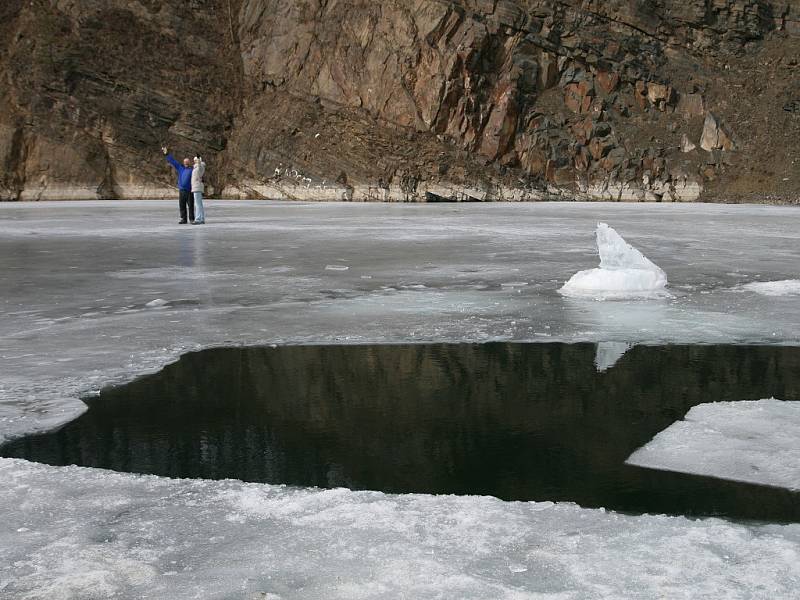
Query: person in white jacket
[[198, 187]]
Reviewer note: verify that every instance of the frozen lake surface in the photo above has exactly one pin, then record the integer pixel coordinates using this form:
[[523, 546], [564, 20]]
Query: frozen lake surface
[[97, 293]]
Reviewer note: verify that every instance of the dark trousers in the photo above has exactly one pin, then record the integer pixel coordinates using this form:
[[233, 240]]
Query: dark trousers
[[185, 200]]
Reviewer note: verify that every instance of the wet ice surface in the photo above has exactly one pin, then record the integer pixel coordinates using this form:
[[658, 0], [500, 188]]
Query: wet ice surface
[[753, 441], [76, 281], [83, 533]]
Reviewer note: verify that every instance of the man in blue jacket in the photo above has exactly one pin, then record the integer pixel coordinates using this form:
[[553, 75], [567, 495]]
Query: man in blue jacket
[[184, 186]]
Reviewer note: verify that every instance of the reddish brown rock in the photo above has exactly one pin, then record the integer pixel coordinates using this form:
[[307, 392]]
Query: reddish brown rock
[[578, 97], [640, 94], [583, 129], [608, 82], [500, 128]]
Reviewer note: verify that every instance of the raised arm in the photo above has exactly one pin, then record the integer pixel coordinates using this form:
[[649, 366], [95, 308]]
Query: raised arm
[[178, 166]]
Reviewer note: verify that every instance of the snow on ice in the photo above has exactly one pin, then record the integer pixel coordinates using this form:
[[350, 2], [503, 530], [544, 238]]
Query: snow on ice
[[85, 533]]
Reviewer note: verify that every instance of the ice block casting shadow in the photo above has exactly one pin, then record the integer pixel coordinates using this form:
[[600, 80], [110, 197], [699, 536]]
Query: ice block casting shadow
[[517, 421]]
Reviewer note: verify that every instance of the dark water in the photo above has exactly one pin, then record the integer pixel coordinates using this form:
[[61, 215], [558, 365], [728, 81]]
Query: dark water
[[516, 421]]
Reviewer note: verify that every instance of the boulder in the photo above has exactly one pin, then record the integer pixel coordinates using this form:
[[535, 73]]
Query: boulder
[[686, 144], [572, 74], [660, 95], [716, 136], [602, 129]]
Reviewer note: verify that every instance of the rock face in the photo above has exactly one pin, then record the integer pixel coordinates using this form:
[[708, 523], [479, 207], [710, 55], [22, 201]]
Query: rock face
[[397, 100]]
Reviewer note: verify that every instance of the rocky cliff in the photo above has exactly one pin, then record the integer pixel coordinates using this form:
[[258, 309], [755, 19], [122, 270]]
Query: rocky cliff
[[643, 100]]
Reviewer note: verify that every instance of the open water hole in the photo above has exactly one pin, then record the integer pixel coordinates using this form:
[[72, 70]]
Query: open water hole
[[515, 421]]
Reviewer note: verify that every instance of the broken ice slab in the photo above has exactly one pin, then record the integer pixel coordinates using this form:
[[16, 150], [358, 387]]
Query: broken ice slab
[[752, 442]]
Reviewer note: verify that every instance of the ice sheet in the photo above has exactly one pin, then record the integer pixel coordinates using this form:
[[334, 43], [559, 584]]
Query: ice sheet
[[754, 441], [624, 272], [77, 278], [82, 533]]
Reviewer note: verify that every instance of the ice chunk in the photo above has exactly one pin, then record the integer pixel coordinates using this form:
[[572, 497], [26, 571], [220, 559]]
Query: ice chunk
[[624, 272], [608, 353], [754, 442], [616, 253], [785, 287]]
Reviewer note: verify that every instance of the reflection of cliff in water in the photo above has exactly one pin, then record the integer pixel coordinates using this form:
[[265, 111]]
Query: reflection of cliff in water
[[518, 421]]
